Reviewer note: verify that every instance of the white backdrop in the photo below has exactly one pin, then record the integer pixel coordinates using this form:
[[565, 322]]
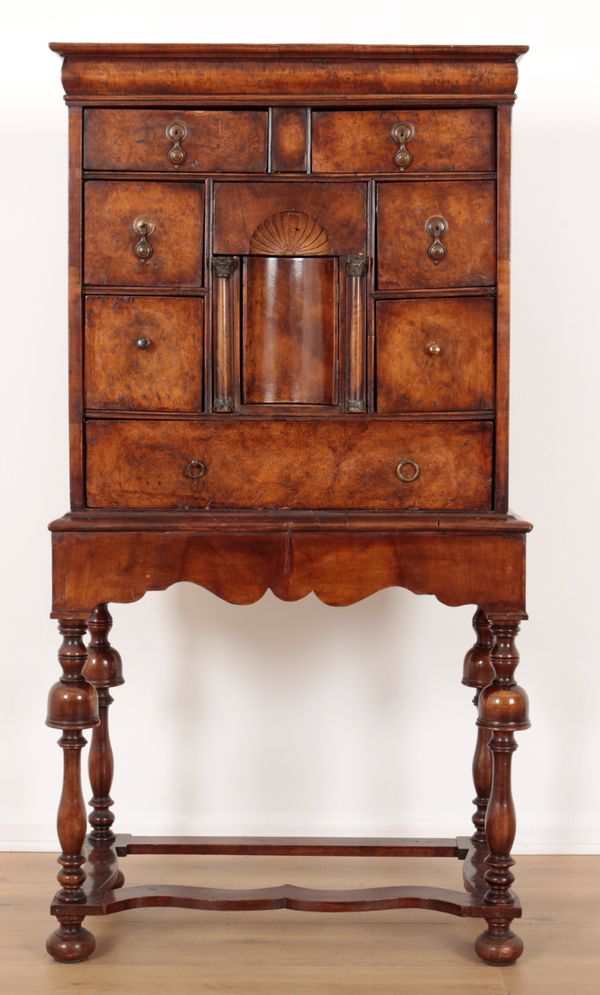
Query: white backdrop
[[298, 718]]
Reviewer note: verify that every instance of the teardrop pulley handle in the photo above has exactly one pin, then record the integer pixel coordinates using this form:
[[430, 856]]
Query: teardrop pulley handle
[[144, 227], [402, 132], [177, 132], [436, 227]]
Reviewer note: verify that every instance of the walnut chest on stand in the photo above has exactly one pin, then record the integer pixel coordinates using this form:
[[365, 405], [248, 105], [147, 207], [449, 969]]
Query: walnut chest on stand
[[288, 370]]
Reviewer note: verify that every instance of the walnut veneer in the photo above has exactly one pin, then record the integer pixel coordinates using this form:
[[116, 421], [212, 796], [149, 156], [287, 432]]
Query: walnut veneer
[[288, 370]]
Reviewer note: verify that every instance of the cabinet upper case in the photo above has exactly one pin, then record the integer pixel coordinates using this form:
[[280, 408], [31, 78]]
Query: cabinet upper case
[[291, 285]]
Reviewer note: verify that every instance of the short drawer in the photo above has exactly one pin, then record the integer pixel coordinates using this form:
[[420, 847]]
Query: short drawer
[[176, 141], [277, 464], [436, 234], [406, 141], [435, 355], [143, 353], [143, 234]]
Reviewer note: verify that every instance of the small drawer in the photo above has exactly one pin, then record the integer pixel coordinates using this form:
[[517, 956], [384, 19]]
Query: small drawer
[[292, 218], [176, 141], [436, 234], [143, 234], [435, 355], [377, 465], [406, 141], [143, 353]]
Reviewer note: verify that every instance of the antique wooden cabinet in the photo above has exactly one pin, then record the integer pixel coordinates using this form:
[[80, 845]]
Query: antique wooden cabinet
[[288, 361]]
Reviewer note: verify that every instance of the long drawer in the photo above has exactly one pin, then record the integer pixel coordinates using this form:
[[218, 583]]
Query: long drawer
[[376, 465]]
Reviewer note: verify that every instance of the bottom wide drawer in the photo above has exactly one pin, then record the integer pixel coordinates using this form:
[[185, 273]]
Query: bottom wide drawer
[[371, 465]]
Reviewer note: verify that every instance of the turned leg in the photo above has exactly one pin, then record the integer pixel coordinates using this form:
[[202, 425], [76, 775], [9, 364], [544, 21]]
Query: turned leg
[[503, 710], [72, 706], [478, 673], [103, 669]]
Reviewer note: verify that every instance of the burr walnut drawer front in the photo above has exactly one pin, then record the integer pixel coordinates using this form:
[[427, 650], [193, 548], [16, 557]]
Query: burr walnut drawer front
[[143, 353], [143, 234], [297, 464], [437, 234], [406, 141], [176, 141], [435, 355]]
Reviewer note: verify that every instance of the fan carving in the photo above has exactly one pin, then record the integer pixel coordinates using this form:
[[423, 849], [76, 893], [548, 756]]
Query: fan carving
[[290, 233]]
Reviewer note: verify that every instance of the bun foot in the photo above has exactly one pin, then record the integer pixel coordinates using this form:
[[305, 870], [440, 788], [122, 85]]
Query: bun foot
[[499, 945], [71, 942]]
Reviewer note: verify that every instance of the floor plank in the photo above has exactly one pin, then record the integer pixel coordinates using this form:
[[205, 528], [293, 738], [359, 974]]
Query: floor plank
[[405, 952]]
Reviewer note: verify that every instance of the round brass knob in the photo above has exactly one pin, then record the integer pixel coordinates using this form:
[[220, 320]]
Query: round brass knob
[[412, 475], [434, 349], [143, 342], [195, 469]]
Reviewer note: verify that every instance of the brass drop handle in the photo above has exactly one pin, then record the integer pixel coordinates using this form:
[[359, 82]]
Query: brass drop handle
[[195, 469], [436, 227], [434, 349], [143, 342], [402, 132], [176, 133], [413, 470], [144, 227]]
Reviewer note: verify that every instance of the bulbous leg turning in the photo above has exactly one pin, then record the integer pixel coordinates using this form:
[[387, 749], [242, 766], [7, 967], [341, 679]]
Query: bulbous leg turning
[[104, 671], [503, 710], [71, 942], [498, 944], [72, 706]]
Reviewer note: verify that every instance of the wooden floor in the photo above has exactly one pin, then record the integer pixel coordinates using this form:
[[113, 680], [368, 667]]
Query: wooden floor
[[173, 951]]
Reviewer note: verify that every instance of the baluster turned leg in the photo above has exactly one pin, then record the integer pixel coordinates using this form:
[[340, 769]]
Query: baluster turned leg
[[103, 669], [72, 706], [503, 710], [478, 673]]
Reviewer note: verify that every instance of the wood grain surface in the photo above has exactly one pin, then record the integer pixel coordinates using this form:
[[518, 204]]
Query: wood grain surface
[[166, 375], [216, 141], [443, 140], [290, 348], [289, 141], [413, 376], [469, 207], [110, 239], [339, 208], [287, 464], [458, 568]]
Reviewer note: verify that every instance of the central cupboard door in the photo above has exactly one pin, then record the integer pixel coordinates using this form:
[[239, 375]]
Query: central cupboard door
[[289, 264], [290, 340]]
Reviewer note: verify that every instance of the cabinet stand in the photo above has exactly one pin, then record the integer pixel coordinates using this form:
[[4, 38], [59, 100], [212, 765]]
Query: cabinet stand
[[342, 559]]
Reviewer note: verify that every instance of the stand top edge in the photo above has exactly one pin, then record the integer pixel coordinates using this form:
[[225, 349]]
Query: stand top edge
[[288, 522]]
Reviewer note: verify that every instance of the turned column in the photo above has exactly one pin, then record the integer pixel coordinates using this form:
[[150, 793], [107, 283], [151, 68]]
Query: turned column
[[72, 706], [503, 710], [103, 669], [478, 673]]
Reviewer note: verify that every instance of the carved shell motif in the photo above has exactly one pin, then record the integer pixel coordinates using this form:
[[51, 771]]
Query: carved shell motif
[[290, 233]]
